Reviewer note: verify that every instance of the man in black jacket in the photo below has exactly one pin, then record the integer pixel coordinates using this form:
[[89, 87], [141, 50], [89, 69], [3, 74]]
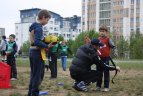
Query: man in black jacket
[[80, 69]]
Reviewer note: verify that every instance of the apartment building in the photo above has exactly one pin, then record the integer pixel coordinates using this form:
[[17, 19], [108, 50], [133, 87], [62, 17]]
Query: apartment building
[[122, 17], [57, 25], [2, 32]]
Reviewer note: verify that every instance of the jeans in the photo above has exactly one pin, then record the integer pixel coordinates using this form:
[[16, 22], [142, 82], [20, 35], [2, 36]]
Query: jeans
[[106, 74], [64, 62], [37, 65]]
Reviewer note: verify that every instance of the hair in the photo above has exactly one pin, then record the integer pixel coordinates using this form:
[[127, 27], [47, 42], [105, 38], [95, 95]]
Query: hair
[[3, 37], [12, 35], [43, 13], [103, 27]]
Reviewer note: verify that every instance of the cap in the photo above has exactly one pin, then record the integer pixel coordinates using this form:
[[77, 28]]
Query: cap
[[96, 42]]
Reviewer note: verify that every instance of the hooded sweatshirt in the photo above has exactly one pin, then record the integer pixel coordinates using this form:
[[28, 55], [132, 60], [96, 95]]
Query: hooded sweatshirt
[[38, 35]]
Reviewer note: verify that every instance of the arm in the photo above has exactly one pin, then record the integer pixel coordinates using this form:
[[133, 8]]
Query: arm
[[15, 47], [101, 64], [112, 45], [2, 44], [38, 38]]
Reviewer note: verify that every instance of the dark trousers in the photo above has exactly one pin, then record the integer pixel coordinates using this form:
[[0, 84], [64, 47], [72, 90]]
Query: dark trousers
[[53, 64], [106, 74], [12, 62], [88, 77], [37, 71]]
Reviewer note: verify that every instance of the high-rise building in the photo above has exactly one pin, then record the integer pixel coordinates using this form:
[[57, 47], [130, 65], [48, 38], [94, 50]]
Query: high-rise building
[[122, 17]]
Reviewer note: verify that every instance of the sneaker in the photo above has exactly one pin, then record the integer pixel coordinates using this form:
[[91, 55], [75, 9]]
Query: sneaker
[[106, 89], [98, 89], [13, 79], [80, 86]]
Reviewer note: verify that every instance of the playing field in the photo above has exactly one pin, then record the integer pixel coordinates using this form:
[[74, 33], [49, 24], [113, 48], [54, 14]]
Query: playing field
[[129, 81]]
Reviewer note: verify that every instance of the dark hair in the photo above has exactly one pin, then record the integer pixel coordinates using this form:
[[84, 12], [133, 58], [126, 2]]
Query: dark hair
[[12, 35], [3, 37], [43, 13], [103, 27]]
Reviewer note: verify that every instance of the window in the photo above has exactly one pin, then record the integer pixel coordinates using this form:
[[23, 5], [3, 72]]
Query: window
[[132, 19], [132, 1], [138, 2], [137, 10], [137, 19]]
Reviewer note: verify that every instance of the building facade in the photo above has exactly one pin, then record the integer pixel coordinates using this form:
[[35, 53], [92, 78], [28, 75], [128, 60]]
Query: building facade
[[2, 32], [68, 27], [122, 17]]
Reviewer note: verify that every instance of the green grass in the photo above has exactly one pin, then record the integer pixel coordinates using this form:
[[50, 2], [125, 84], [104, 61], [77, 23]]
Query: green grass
[[127, 83]]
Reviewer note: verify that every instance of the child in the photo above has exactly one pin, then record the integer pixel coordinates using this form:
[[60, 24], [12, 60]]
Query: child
[[52, 57], [80, 69], [3, 48], [11, 51], [64, 50], [36, 55], [105, 56]]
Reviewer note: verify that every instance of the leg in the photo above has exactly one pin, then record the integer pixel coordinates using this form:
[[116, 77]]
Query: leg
[[54, 66], [65, 63], [62, 59], [37, 72], [106, 74], [99, 81], [14, 69]]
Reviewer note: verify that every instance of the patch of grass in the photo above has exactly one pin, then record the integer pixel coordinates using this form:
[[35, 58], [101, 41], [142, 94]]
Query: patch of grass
[[127, 83]]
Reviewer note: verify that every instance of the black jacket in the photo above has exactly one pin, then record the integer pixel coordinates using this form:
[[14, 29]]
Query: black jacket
[[85, 57]]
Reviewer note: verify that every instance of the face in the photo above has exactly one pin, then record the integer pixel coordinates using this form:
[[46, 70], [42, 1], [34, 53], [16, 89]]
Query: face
[[96, 47], [103, 33], [44, 20], [11, 39]]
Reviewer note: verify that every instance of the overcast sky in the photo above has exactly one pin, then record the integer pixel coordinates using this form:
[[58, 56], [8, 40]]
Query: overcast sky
[[9, 10]]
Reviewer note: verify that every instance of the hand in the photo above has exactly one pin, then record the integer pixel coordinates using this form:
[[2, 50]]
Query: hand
[[7, 54], [50, 45], [118, 68], [115, 53]]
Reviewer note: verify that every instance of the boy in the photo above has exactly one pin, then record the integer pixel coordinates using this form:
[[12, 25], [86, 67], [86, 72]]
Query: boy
[[36, 55], [3, 48], [105, 57], [10, 53], [52, 57], [64, 50], [80, 69]]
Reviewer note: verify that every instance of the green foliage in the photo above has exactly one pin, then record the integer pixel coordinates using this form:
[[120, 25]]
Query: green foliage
[[61, 38], [136, 46], [123, 47], [25, 47], [80, 40]]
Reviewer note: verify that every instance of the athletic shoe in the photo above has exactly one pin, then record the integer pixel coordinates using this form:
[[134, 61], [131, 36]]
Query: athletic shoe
[[106, 89], [98, 89], [80, 86], [13, 79]]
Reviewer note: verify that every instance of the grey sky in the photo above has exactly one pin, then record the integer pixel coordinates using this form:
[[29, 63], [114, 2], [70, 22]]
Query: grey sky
[[10, 10]]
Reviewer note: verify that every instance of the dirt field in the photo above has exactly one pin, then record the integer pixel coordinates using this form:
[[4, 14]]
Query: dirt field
[[127, 83]]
